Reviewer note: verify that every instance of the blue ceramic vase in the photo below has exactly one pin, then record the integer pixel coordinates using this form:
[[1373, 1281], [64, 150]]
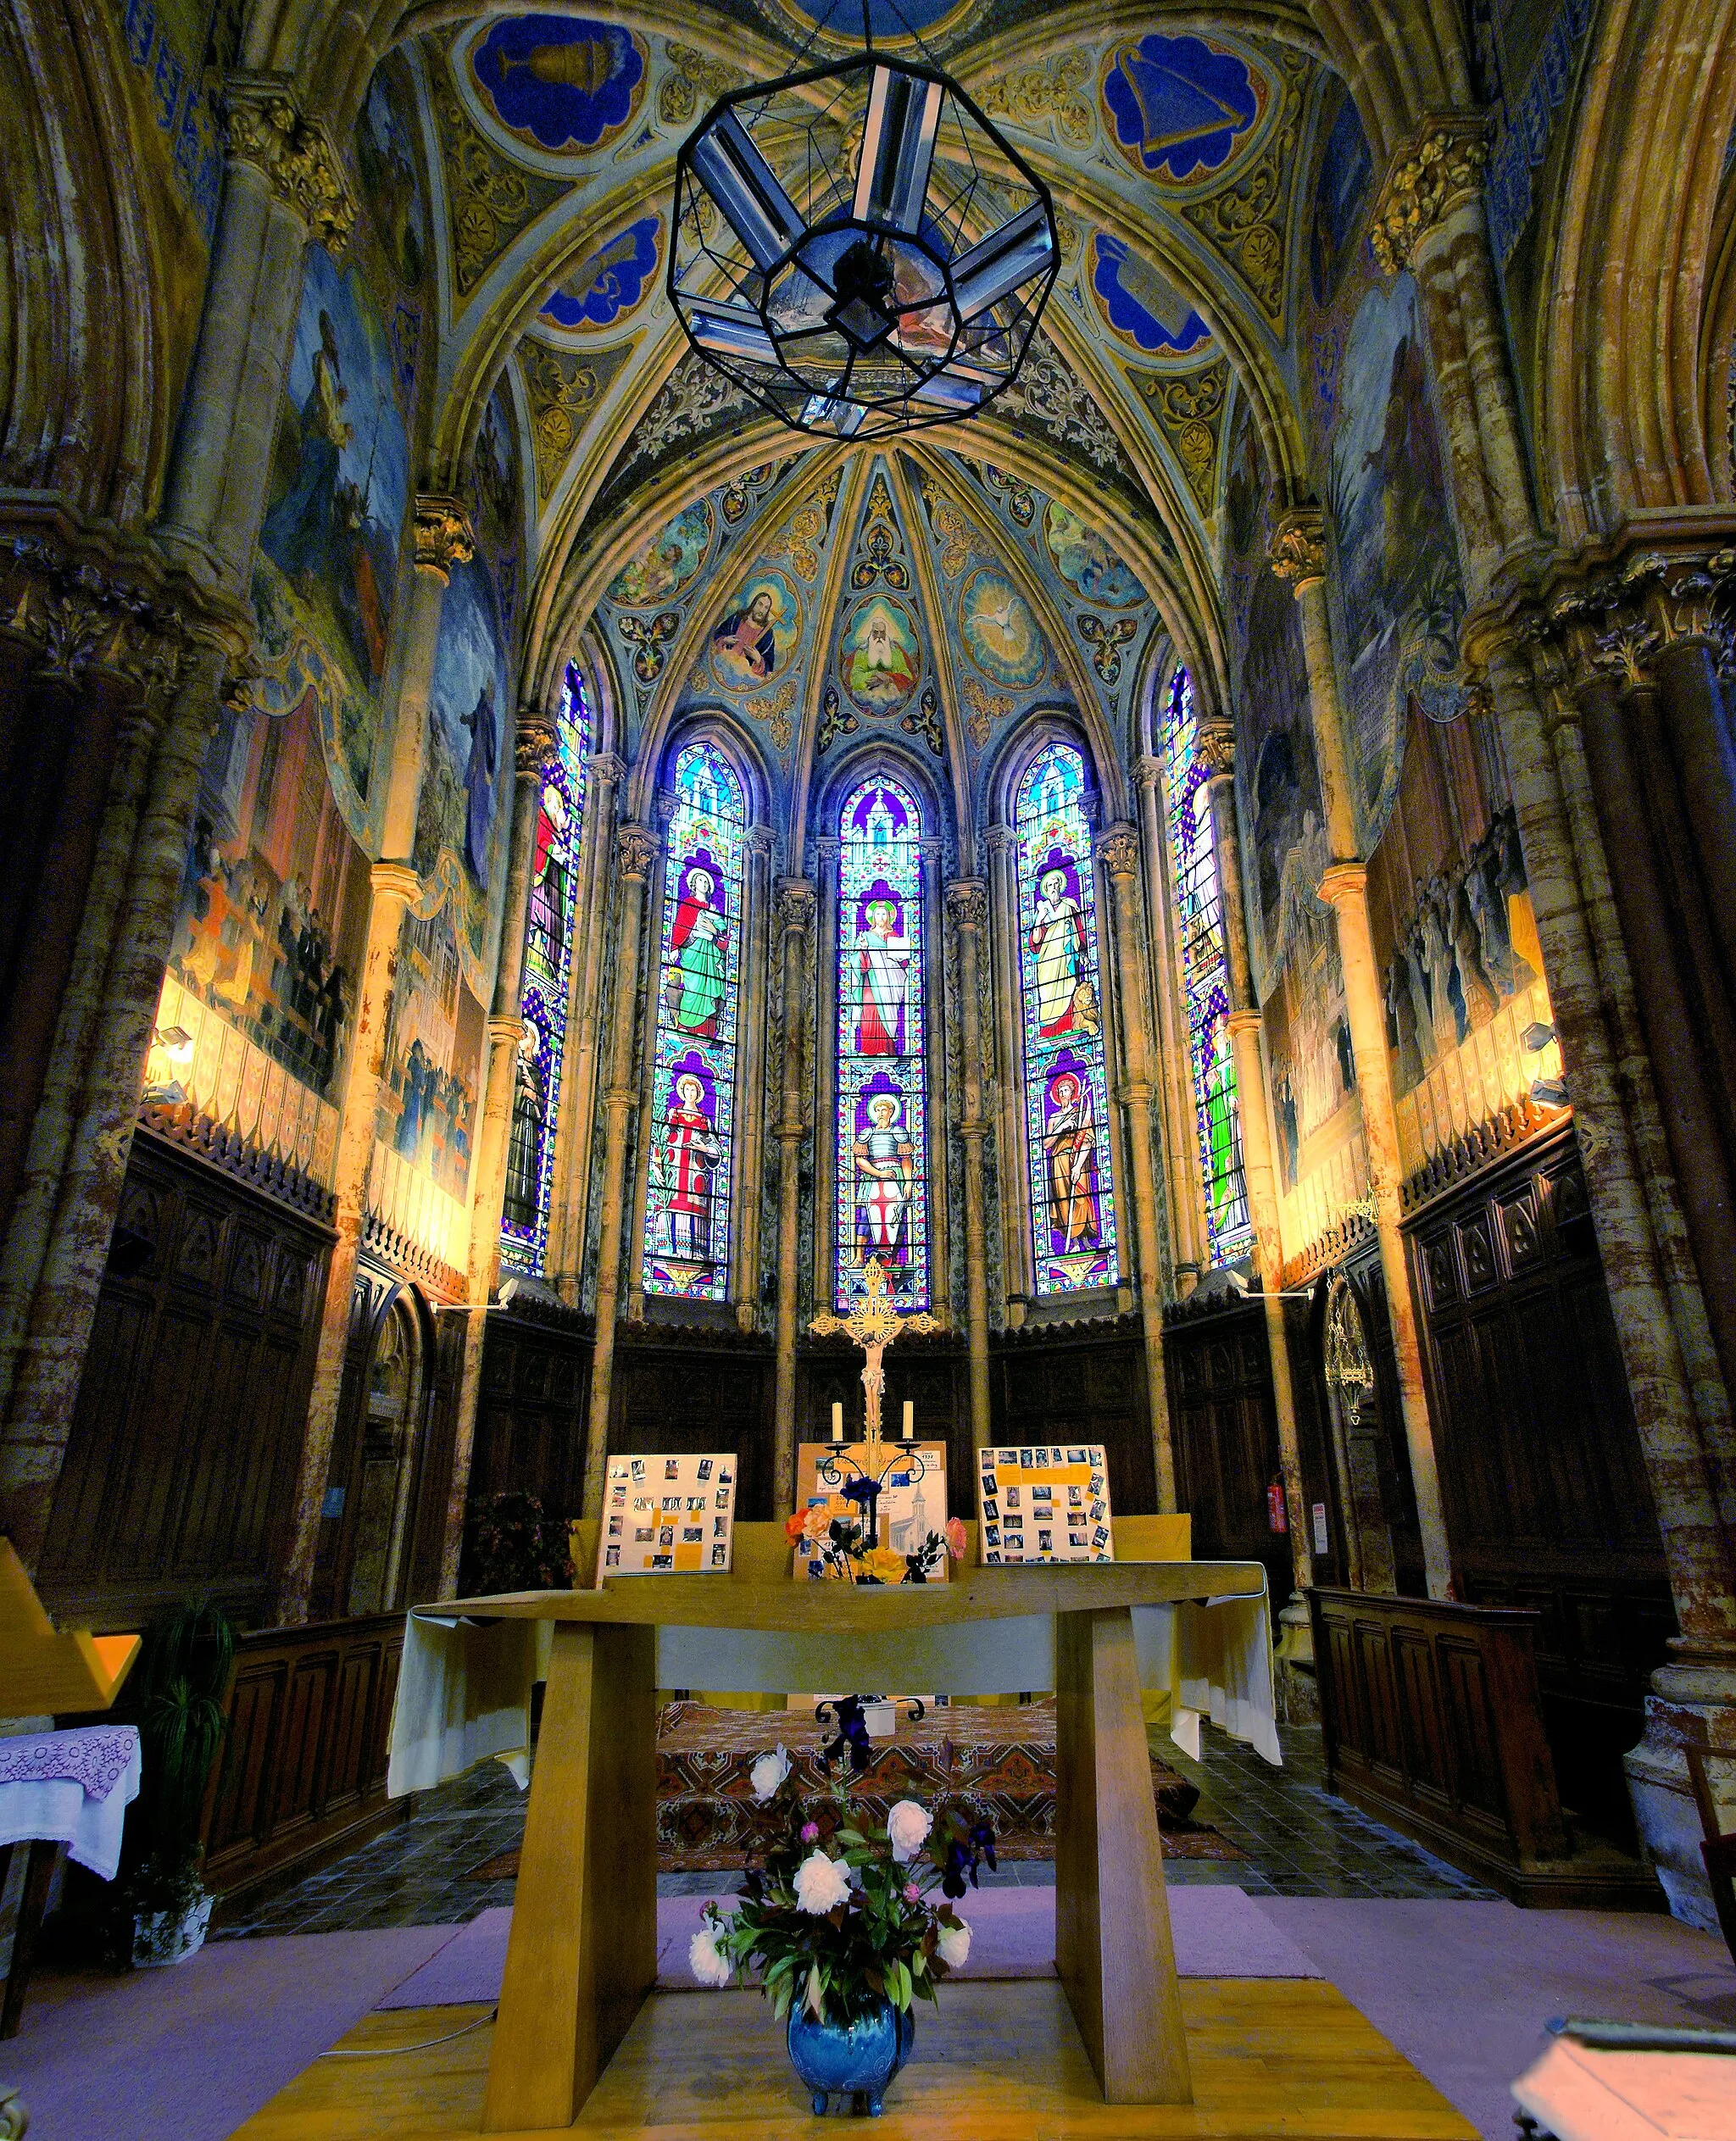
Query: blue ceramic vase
[[858, 2060]]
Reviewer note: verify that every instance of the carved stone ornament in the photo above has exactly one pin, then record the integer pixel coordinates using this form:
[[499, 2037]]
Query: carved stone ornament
[[533, 744], [968, 899], [637, 850], [444, 537], [1299, 548], [1118, 849], [1428, 180], [75, 616], [267, 131], [797, 901], [1214, 747]]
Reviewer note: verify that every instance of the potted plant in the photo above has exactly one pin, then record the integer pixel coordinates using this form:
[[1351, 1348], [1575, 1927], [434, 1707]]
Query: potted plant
[[184, 1728], [516, 1545], [845, 1933]]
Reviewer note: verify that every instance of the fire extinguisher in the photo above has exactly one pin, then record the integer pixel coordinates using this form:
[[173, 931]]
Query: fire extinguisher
[[1277, 1515]]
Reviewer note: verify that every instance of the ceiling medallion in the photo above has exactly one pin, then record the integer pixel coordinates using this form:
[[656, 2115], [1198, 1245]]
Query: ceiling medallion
[[860, 248]]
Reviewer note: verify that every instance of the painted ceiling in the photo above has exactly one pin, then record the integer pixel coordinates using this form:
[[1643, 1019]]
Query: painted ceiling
[[1171, 149]]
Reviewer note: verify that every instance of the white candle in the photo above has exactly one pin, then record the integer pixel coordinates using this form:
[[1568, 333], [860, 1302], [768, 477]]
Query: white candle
[[909, 1409], [837, 1423]]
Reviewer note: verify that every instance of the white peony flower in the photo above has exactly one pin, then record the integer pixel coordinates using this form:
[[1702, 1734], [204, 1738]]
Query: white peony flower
[[953, 1943], [768, 1773], [821, 1883], [907, 1826], [709, 1964]]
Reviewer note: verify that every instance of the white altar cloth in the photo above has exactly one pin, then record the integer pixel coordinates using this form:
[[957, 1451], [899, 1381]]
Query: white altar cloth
[[58, 1809], [464, 1693]]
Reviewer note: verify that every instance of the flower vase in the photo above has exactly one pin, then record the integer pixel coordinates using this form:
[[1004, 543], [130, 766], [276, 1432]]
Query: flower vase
[[855, 2058], [160, 1938]]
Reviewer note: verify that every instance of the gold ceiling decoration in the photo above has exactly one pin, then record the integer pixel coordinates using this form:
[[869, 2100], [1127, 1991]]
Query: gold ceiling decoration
[[489, 200], [1188, 408], [563, 389], [1244, 223], [1058, 95]]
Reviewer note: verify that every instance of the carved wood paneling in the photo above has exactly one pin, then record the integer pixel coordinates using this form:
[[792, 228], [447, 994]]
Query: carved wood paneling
[[688, 1391], [186, 1435], [1079, 1384], [1218, 1371]]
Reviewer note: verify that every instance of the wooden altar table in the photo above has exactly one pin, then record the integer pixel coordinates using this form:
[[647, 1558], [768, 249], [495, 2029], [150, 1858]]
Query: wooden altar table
[[582, 1955]]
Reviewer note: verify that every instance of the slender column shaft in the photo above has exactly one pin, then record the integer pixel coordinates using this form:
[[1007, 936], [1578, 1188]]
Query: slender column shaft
[[1176, 1089], [750, 1162], [393, 886], [1258, 1171], [1695, 721], [570, 1196], [45, 1388], [968, 899], [636, 852], [1299, 555], [1119, 850], [796, 903], [1015, 1174], [533, 747]]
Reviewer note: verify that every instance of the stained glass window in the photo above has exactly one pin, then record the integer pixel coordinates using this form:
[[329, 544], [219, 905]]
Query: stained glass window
[[693, 1076], [544, 991], [1066, 1103], [882, 1129], [1206, 981]]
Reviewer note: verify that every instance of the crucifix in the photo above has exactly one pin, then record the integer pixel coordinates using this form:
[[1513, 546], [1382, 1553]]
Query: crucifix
[[874, 1324]]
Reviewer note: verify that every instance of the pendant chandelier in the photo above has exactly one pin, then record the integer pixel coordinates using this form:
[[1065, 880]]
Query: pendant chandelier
[[859, 249]]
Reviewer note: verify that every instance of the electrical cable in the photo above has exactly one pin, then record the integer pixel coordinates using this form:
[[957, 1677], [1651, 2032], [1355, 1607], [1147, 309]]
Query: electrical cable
[[393, 2051]]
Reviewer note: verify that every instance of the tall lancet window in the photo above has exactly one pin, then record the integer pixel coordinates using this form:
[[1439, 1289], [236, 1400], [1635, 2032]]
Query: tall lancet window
[[543, 991], [882, 1128], [1066, 1103], [693, 1075], [1205, 978]]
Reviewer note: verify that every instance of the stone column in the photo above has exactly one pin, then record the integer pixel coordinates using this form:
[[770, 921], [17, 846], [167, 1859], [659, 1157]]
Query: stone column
[[443, 538], [62, 1304], [796, 903], [1215, 748], [1187, 1199], [1007, 1000], [1298, 555], [533, 745], [1118, 850], [636, 850], [750, 1027], [967, 901], [569, 1198]]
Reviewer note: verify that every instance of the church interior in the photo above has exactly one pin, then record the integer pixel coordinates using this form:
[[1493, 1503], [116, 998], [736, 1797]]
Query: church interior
[[861, 754]]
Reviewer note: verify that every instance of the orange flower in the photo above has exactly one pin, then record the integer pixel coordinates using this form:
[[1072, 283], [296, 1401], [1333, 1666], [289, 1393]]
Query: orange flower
[[794, 1526]]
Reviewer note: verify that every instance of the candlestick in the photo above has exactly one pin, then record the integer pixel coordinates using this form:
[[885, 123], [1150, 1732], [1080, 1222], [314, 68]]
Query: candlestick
[[909, 1411], [837, 1423]]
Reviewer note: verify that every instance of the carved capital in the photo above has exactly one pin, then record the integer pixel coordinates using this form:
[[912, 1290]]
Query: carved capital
[[1439, 168], [606, 766], [75, 616], [1214, 748], [394, 882], [967, 901], [999, 839], [1298, 546], [1118, 850], [504, 1032], [1148, 773], [444, 536], [269, 132], [1246, 1020], [636, 846], [797, 899], [533, 743], [1344, 883]]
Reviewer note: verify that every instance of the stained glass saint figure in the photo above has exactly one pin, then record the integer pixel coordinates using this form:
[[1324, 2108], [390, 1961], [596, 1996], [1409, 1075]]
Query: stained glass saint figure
[[1070, 1145], [882, 979], [886, 1172], [1065, 1000], [695, 983], [682, 1164], [530, 1116]]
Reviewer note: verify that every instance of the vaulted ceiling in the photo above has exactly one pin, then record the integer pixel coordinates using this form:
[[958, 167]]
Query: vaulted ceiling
[[1172, 145]]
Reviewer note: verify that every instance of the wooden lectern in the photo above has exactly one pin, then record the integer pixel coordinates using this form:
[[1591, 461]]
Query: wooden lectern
[[582, 1954]]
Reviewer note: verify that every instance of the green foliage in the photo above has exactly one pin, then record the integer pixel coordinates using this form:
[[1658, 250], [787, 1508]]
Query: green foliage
[[184, 1683], [881, 1944], [514, 1545]]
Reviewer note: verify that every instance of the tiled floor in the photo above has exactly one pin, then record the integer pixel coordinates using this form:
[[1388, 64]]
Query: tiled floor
[[1299, 1842]]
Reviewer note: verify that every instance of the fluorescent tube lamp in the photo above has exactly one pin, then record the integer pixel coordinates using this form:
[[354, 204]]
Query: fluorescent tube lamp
[[898, 149], [745, 187], [1022, 248], [727, 330]]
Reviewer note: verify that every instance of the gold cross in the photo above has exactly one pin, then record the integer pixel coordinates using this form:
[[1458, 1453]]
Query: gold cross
[[874, 1324]]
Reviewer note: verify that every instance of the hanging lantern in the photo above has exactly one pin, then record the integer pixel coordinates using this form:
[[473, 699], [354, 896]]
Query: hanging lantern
[[859, 249]]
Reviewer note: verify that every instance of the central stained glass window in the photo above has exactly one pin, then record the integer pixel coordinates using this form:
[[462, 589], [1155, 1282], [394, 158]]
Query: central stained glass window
[[693, 1079], [1066, 1103], [882, 1128], [544, 991], [1205, 980]]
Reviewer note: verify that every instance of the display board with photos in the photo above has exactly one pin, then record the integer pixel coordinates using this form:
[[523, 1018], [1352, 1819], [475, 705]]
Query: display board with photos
[[912, 1509], [667, 1515], [1044, 1502]]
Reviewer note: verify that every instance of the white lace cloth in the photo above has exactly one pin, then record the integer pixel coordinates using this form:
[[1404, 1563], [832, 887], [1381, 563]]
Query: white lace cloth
[[71, 1788]]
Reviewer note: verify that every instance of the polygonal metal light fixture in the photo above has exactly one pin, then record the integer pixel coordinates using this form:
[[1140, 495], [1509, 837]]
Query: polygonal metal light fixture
[[860, 248]]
